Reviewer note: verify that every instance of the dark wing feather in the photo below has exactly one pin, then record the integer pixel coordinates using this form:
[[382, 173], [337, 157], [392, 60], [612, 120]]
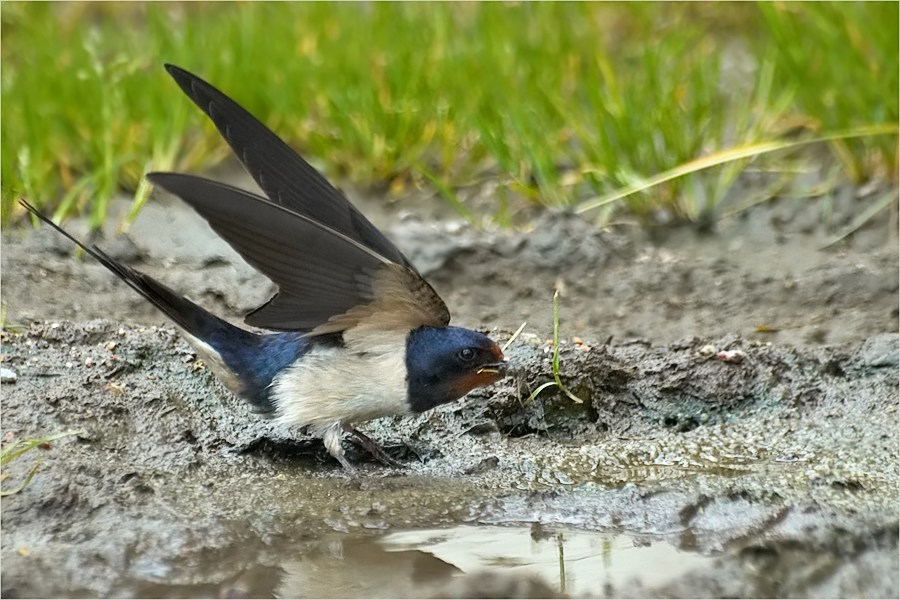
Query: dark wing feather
[[193, 319], [322, 274], [283, 175]]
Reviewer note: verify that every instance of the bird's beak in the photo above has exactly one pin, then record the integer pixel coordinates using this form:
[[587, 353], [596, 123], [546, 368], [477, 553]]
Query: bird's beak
[[498, 368]]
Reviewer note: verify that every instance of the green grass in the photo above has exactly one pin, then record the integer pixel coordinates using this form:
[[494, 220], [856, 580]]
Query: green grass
[[557, 380], [561, 104], [16, 448], [852, 83]]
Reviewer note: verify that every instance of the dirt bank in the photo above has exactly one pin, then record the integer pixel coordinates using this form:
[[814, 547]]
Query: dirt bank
[[762, 463]]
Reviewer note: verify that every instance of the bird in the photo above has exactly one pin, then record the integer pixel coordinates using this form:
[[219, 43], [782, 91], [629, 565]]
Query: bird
[[353, 332]]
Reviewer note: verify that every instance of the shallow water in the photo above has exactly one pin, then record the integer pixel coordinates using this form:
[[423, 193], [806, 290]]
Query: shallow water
[[422, 562]]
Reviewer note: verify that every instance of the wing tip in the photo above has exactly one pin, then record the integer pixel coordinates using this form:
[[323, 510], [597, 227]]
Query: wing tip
[[194, 86], [165, 180], [157, 177], [181, 76], [48, 221]]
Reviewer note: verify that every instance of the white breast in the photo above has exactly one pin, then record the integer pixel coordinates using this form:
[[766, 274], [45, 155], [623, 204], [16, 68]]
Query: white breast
[[364, 380]]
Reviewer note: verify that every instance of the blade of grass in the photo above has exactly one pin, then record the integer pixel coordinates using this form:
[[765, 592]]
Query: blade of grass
[[557, 381], [19, 447], [764, 194], [561, 559], [28, 477], [873, 209], [514, 336], [731, 154]]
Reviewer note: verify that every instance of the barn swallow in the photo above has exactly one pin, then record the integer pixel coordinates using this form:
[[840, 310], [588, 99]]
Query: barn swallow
[[354, 331]]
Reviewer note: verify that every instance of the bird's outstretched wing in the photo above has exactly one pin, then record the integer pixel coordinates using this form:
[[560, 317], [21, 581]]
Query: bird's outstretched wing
[[283, 175], [328, 281]]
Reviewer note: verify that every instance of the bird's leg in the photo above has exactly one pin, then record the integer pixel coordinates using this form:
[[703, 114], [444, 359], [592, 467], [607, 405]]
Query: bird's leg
[[372, 447], [332, 437]]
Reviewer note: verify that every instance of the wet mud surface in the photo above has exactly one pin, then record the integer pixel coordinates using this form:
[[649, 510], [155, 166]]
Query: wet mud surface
[[737, 434]]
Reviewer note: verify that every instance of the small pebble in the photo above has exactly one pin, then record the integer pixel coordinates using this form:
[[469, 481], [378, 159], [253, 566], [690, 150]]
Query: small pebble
[[8, 375], [731, 356], [707, 350]]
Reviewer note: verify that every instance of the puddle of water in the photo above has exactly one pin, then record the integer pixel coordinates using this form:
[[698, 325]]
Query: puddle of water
[[463, 561], [580, 563]]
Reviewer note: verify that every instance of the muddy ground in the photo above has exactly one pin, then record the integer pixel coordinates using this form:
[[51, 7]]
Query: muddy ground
[[737, 436]]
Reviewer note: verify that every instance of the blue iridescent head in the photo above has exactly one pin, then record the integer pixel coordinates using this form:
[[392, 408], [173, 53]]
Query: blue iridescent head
[[444, 363]]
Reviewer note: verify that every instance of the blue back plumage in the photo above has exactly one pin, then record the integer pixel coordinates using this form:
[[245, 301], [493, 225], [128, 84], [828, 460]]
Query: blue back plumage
[[255, 359]]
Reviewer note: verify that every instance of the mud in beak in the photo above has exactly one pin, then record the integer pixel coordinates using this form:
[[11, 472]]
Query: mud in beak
[[497, 368]]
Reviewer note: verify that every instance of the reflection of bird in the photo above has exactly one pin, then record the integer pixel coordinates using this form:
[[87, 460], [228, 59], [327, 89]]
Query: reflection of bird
[[360, 334]]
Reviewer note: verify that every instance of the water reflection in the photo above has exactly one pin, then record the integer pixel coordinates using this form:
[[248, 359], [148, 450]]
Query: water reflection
[[352, 567], [482, 561], [486, 561]]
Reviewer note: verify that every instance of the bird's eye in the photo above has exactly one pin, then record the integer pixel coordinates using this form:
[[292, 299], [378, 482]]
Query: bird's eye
[[466, 355]]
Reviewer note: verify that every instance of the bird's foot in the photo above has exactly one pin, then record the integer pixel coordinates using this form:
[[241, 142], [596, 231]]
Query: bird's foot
[[372, 447], [332, 437]]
